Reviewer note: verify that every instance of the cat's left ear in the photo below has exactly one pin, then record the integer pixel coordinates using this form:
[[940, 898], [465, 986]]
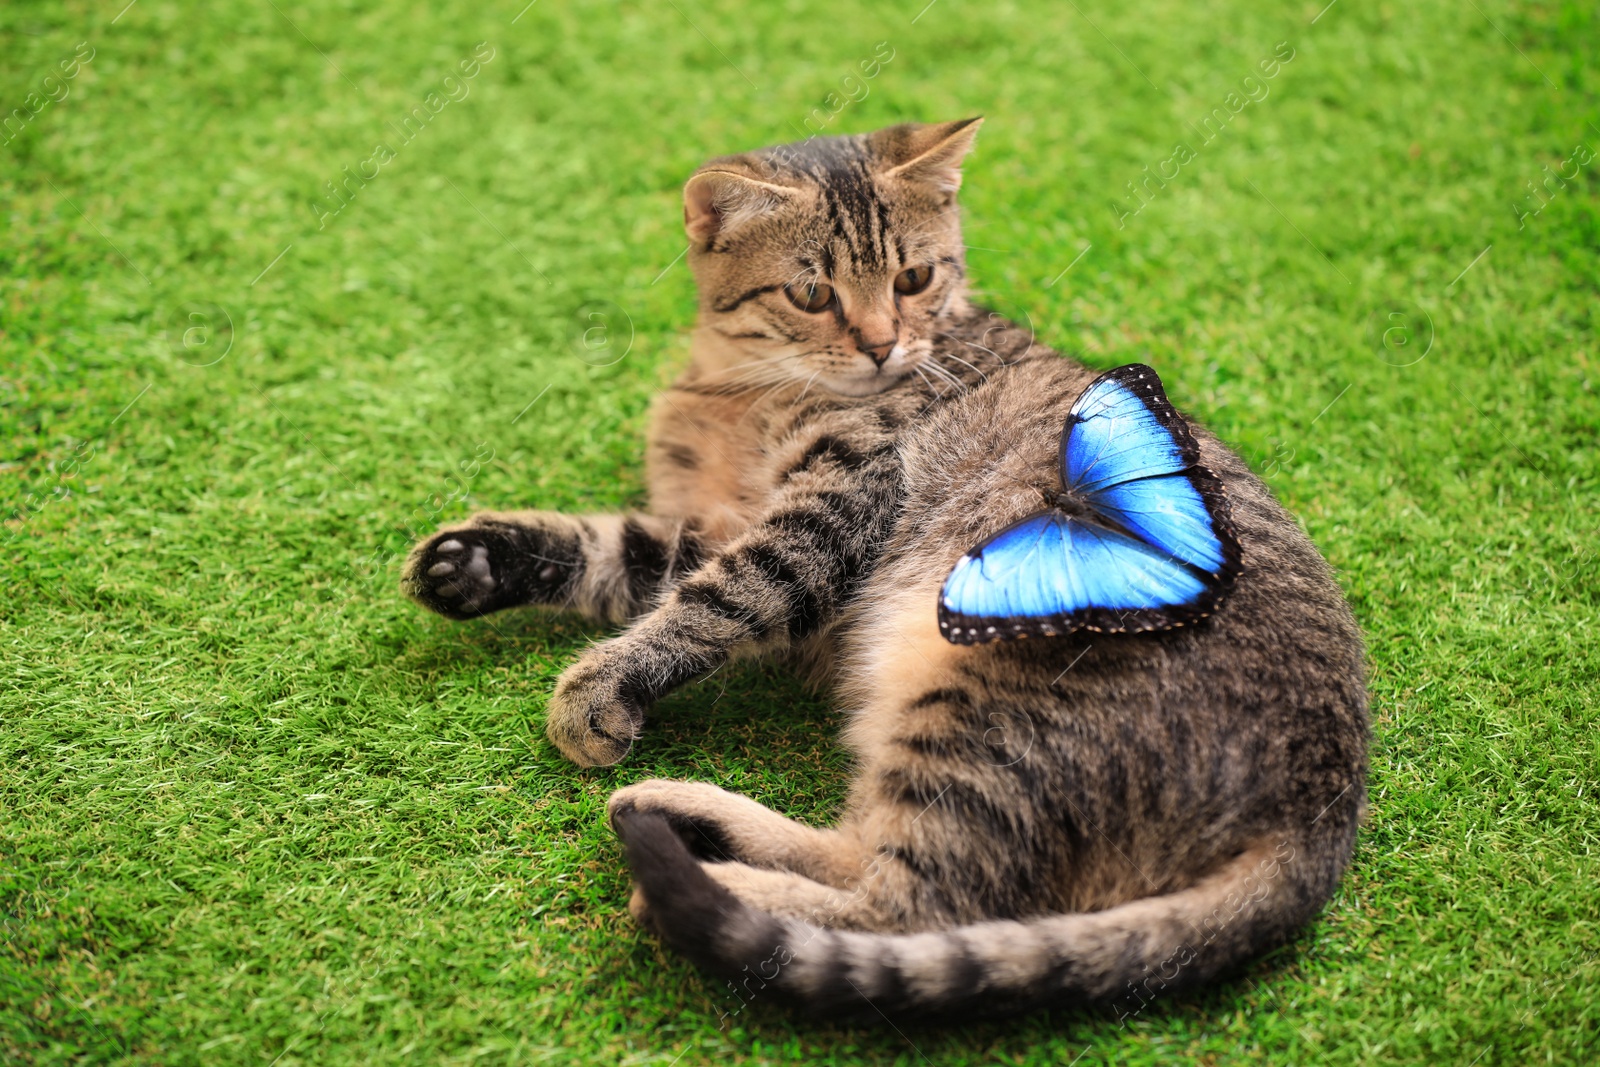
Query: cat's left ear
[[928, 155]]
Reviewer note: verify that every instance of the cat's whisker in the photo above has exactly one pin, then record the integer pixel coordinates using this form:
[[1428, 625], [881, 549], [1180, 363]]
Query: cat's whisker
[[762, 362], [754, 378], [762, 399], [969, 344], [807, 389], [806, 275], [997, 356], [964, 363], [931, 366], [755, 375], [976, 370], [938, 393], [735, 388], [947, 375]]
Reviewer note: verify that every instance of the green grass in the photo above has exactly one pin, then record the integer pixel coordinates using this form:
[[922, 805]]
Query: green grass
[[255, 808]]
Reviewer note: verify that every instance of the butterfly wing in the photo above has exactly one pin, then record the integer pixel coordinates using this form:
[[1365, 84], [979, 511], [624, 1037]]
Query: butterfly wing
[[1053, 574], [1129, 455], [1184, 515], [1123, 427], [1159, 550]]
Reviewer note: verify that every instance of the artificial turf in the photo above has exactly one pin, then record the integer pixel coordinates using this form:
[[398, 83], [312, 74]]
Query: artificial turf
[[256, 808]]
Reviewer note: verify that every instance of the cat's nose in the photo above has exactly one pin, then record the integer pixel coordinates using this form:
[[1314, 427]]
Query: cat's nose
[[879, 353]]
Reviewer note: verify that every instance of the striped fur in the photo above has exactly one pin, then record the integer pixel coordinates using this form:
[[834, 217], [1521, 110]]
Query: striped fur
[[1036, 822]]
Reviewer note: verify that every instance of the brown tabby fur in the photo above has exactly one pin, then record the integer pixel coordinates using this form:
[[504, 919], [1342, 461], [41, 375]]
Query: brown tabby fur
[[1093, 817]]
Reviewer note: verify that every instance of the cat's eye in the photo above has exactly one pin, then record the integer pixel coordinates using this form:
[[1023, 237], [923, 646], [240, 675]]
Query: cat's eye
[[913, 280], [810, 296]]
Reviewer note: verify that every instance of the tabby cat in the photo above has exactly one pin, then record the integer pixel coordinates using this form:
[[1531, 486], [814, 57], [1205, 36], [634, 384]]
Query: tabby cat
[[1091, 817]]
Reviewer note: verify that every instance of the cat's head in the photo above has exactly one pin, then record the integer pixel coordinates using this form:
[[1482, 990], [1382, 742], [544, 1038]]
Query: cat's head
[[834, 261]]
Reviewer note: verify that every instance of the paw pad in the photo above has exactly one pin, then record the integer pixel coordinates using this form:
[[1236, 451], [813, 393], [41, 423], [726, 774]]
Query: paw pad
[[455, 576], [466, 574], [490, 565]]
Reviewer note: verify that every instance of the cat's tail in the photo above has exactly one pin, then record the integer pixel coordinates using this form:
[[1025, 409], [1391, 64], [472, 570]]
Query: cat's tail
[[1124, 956]]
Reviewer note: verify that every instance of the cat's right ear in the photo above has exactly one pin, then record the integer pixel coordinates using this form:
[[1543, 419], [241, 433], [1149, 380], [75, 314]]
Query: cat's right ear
[[717, 201], [928, 155]]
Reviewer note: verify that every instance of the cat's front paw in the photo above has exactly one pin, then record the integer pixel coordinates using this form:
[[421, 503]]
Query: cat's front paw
[[595, 715], [482, 567]]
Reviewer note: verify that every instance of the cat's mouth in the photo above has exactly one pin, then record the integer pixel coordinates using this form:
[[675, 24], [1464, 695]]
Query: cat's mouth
[[867, 377], [867, 384]]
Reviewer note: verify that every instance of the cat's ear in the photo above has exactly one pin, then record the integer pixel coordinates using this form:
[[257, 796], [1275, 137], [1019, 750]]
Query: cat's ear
[[723, 196], [928, 155]]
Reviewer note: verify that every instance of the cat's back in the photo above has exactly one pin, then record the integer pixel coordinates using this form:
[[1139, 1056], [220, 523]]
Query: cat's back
[[1178, 745]]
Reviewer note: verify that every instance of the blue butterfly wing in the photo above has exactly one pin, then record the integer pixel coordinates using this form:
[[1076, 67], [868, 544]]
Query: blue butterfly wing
[[1164, 555], [1170, 513], [1053, 574], [1123, 427], [1016, 574]]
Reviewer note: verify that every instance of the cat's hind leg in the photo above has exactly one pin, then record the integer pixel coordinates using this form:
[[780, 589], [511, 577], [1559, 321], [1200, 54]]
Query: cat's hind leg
[[608, 567], [723, 827], [772, 863]]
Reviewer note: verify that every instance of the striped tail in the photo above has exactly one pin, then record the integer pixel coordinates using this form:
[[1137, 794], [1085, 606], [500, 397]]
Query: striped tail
[[1125, 956]]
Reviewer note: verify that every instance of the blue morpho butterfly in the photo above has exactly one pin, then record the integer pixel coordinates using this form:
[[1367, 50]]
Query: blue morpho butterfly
[[1139, 538]]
